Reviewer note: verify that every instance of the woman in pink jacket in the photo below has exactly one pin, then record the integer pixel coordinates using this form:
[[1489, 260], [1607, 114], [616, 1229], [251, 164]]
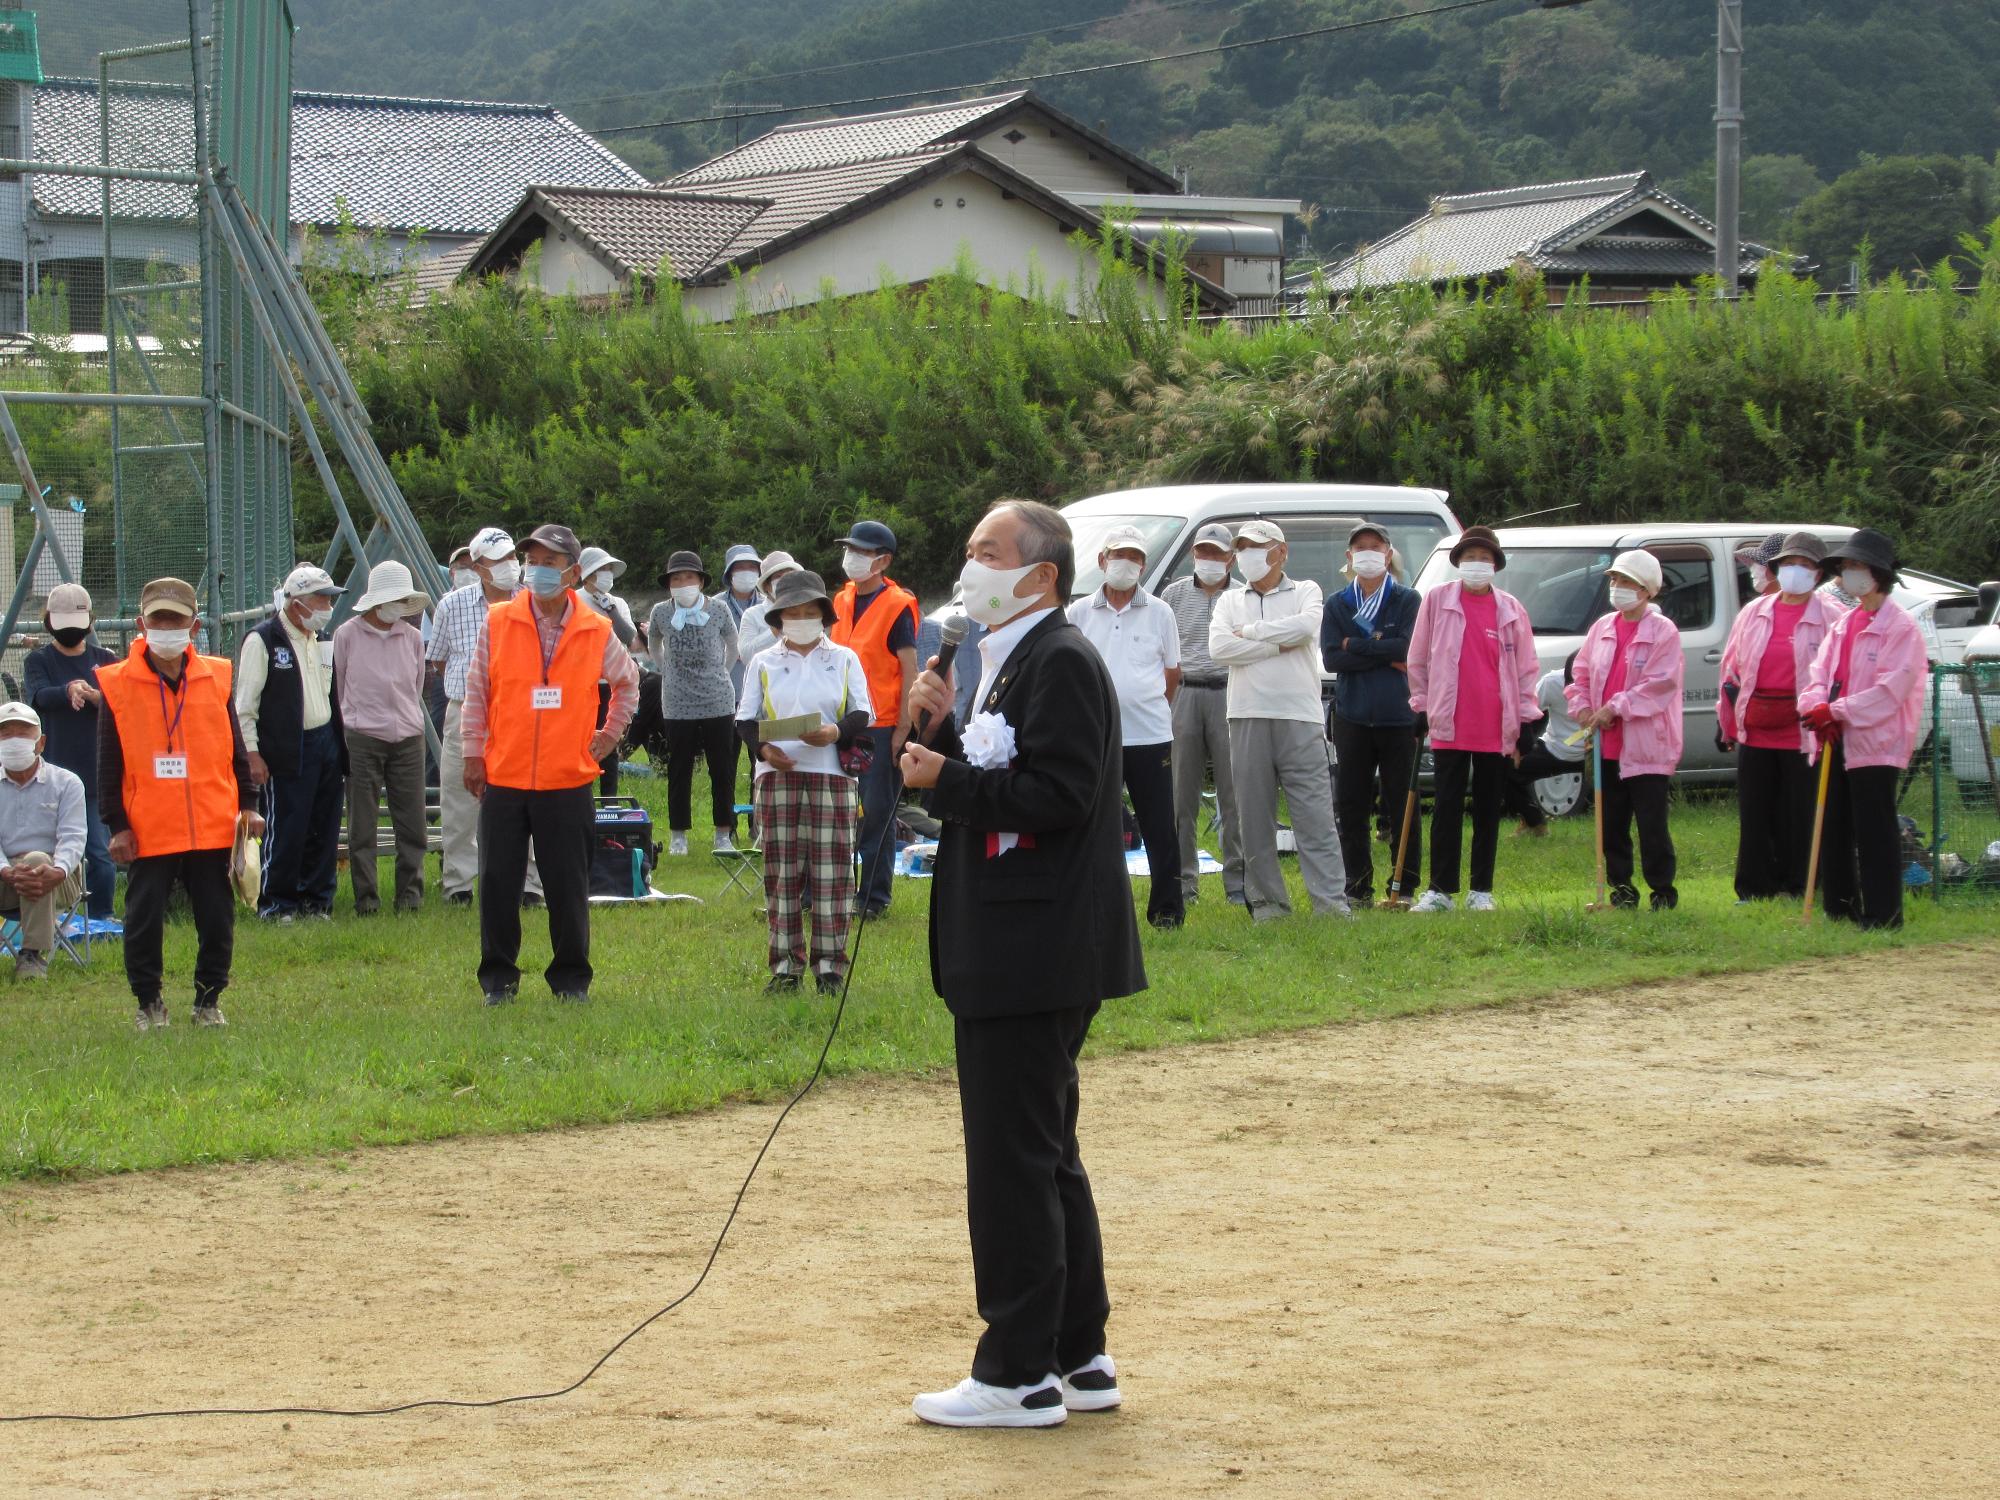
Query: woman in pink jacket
[[1862, 701], [1472, 673], [1627, 688], [1767, 661]]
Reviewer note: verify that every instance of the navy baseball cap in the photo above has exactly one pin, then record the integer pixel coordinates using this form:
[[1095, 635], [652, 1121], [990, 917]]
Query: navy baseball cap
[[870, 536]]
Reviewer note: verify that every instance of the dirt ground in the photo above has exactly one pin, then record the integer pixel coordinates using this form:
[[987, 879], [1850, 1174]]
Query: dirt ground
[[1692, 1240]]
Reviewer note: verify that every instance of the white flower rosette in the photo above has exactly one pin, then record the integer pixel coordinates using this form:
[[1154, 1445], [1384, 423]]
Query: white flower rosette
[[988, 742]]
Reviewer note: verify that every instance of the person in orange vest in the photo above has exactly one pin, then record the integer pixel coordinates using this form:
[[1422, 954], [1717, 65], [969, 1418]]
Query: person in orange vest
[[877, 619], [173, 779], [532, 748]]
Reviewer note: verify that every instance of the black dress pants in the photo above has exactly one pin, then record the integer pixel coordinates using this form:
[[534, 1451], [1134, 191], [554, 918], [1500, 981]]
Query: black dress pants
[[302, 841], [560, 824], [1361, 753], [149, 884], [1774, 818], [1149, 780], [1454, 771], [715, 741], [1861, 847], [1037, 1260], [1641, 799]]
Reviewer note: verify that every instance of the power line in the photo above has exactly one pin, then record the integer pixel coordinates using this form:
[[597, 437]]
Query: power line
[[894, 57], [1214, 49]]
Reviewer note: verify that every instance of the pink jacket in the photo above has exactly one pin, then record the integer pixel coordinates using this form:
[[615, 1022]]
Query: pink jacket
[[1880, 705], [1436, 645], [1748, 639], [1649, 705]]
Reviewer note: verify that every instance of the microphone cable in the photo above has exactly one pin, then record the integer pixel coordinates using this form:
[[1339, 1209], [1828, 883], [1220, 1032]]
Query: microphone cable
[[886, 842]]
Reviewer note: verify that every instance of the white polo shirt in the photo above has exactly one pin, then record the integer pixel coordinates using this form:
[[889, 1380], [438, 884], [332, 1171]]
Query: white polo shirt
[[1138, 643], [781, 683]]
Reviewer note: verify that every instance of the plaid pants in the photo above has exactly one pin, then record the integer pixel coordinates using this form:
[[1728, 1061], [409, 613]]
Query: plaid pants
[[805, 820]]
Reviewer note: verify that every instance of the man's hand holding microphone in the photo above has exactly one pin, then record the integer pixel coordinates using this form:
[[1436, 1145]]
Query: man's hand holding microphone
[[931, 703]]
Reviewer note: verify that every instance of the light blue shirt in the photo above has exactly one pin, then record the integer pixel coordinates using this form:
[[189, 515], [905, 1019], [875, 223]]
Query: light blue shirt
[[43, 816]]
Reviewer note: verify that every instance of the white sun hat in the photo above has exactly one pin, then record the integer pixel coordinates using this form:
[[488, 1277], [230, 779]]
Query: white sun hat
[[389, 583]]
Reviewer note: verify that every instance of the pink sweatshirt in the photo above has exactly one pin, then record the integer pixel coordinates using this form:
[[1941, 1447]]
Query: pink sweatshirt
[[1751, 635], [1649, 705], [1438, 641], [1878, 709]]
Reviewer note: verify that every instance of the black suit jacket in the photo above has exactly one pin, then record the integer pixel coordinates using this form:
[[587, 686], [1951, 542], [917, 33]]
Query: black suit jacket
[[1047, 927]]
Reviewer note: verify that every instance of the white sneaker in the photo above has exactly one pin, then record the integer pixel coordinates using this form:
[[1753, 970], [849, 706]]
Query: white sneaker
[[1092, 1387], [1432, 901], [973, 1403], [1480, 901], [723, 843], [677, 843]]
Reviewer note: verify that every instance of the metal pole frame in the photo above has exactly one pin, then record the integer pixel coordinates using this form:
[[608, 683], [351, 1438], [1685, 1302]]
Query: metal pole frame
[[1728, 146]]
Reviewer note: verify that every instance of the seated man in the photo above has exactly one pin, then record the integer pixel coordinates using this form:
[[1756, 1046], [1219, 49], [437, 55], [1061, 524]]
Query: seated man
[[42, 832]]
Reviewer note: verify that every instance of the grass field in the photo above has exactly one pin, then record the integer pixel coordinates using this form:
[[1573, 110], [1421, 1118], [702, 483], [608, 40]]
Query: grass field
[[372, 1032]]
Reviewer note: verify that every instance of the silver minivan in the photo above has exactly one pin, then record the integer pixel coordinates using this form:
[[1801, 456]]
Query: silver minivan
[[1557, 572]]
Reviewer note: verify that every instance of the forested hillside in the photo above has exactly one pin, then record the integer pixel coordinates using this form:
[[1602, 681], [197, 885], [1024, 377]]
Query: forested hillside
[[1365, 125]]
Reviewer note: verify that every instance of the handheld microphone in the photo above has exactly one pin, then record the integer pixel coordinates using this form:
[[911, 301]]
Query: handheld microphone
[[955, 631]]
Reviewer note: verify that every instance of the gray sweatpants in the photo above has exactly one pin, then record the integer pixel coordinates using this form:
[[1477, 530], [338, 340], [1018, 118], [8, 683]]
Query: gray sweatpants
[[1201, 735], [1267, 754]]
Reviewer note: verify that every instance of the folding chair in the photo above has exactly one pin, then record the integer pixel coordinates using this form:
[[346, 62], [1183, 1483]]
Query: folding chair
[[745, 869], [72, 930]]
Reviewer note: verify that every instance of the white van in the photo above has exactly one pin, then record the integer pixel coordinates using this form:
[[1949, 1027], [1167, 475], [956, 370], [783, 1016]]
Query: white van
[[1557, 572], [1316, 519]]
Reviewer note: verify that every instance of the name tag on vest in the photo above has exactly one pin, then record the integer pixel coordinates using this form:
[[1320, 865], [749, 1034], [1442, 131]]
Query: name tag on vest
[[546, 697], [170, 767]]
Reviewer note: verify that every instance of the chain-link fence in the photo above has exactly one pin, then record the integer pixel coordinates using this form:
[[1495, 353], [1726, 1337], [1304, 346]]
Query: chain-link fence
[[149, 408], [1951, 828]]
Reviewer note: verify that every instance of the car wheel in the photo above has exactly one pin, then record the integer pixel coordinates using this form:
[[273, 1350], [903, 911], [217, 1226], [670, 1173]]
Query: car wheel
[[1560, 796]]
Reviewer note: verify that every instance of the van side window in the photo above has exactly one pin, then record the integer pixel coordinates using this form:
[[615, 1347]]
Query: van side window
[[1687, 592]]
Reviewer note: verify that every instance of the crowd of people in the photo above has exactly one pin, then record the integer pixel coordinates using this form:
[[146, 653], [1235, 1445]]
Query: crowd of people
[[166, 760]]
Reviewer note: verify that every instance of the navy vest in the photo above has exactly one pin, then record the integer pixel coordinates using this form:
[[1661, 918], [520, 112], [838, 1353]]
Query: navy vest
[[281, 711]]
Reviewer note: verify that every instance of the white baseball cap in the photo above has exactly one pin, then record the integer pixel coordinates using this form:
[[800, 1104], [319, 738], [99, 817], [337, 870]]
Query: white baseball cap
[[20, 713], [1120, 537], [69, 607], [305, 579], [1641, 567], [490, 544]]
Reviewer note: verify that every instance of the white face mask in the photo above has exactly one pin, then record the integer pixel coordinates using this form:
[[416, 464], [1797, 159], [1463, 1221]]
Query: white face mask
[[688, 595], [857, 565], [1797, 578], [989, 592], [803, 632], [17, 754], [602, 580], [1478, 574], [388, 614], [168, 642], [1623, 597], [1369, 564], [1253, 563], [507, 575], [1209, 571], [744, 580], [1760, 578], [463, 577], [1860, 582], [317, 621], [1121, 573]]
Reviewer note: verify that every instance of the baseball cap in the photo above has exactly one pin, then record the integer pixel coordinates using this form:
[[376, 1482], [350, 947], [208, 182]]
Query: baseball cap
[[306, 579], [557, 539], [462, 552], [68, 607], [1263, 533], [19, 713], [1124, 536], [1214, 534], [1367, 528], [870, 536], [490, 545], [167, 593]]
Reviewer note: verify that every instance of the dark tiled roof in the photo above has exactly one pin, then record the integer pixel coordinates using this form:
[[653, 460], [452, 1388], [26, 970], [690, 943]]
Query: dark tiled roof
[[638, 228], [858, 138], [1567, 227], [439, 271], [450, 166]]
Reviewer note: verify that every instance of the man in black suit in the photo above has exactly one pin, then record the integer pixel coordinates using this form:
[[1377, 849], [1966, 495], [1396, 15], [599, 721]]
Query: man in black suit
[[1030, 867]]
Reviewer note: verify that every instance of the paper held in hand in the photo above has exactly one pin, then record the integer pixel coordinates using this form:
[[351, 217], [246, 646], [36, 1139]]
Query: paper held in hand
[[770, 731]]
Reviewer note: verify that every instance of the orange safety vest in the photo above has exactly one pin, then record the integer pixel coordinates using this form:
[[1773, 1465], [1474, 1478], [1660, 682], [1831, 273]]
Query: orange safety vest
[[543, 749], [173, 815], [870, 641]]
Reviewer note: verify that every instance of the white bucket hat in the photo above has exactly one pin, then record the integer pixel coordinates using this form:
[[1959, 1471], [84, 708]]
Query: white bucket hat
[[389, 583], [595, 560], [1642, 568]]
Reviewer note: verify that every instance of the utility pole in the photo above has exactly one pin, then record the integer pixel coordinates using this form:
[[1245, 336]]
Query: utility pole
[[1728, 143]]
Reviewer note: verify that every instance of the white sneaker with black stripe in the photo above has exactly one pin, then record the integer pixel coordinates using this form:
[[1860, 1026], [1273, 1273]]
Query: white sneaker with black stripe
[[974, 1403], [1092, 1387]]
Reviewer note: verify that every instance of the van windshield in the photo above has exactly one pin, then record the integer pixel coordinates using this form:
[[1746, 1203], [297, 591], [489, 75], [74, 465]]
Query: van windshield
[[1562, 588]]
